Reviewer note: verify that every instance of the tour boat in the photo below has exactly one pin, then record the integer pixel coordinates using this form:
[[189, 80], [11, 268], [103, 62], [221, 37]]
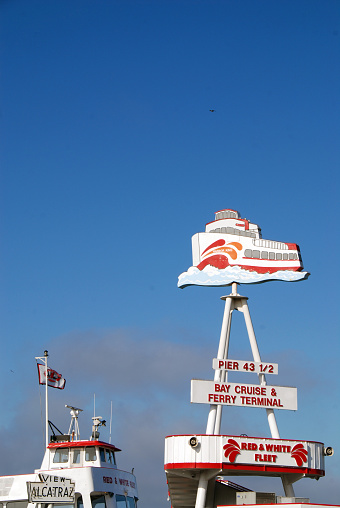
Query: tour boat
[[74, 473], [232, 241]]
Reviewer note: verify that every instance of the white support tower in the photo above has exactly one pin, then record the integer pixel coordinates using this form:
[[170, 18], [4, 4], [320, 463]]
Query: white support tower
[[234, 301]]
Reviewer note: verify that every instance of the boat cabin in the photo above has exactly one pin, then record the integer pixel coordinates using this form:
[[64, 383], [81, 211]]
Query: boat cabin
[[80, 454], [74, 473]]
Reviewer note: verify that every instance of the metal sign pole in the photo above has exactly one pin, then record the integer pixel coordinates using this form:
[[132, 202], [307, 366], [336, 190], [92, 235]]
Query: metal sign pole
[[288, 487], [46, 397], [222, 350]]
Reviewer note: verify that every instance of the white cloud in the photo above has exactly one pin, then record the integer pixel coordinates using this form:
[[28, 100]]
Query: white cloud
[[211, 276], [147, 378]]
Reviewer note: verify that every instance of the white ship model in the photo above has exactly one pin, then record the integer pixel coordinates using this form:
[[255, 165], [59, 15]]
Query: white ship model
[[232, 250], [230, 240]]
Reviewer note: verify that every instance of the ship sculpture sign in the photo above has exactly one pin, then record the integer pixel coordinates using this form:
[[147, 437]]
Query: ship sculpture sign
[[51, 489], [232, 250]]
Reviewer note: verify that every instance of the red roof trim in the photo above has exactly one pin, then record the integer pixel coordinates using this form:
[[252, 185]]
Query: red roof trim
[[75, 444], [226, 218]]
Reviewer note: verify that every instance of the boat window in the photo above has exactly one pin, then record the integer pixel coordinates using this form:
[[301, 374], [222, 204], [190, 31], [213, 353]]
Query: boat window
[[285, 256], [271, 255], [264, 254], [76, 456], [247, 253], [279, 256], [130, 501], [291, 256], [102, 454], [90, 453], [256, 253], [108, 456], [98, 501], [80, 503], [17, 504], [125, 501], [61, 455]]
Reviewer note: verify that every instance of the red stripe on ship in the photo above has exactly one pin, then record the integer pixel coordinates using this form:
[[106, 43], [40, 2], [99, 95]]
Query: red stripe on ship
[[246, 467]]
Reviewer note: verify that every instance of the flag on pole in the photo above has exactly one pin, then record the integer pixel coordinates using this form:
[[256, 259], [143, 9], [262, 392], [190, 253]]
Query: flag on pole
[[53, 378]]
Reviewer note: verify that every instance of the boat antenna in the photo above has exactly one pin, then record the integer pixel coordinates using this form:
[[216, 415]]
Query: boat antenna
[[74, 426], [110, 423]]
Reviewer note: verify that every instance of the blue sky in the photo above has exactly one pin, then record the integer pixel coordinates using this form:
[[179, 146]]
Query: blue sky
[[111, 161]]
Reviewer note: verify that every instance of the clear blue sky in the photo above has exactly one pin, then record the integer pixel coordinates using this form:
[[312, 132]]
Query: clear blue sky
[[111, 161]]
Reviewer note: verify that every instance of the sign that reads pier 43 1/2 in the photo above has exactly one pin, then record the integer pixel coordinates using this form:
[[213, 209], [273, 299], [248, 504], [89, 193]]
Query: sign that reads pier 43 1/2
[[237, 394], [51, 489]]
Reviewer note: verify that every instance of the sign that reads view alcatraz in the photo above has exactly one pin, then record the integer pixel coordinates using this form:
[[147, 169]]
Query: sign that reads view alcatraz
[[237, 394], [51, 489], [245, 366]]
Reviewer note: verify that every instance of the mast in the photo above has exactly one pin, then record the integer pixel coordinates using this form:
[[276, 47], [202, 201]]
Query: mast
[[44, 359], [46, 398]]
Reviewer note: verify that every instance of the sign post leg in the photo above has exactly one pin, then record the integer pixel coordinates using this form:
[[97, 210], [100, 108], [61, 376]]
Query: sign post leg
[[288, 487], [213, 425]]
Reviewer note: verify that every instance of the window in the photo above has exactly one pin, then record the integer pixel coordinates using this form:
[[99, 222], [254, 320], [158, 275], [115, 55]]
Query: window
[[17, 504], [120, 501], [291, 255], [256, 254], [98, 501], [285, 257], [271, 255], [108, 456], [102, 454], [264, 254], [90, 453], [247, 253], [76, 456], [130, 502], [125, 502], [279, 256], [60, 456], [80, 503]]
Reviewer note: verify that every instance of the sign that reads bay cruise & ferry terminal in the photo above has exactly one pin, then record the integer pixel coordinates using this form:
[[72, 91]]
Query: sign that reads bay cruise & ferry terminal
[[246, 395]]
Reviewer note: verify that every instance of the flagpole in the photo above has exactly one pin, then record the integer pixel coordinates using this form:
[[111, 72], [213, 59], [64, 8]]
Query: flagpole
[[46, 397]]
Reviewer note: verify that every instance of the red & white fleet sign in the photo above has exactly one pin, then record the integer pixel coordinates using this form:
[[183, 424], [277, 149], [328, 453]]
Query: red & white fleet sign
[[246, 454]]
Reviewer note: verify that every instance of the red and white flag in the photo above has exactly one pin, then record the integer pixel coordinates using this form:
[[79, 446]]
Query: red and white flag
[[53, 378]]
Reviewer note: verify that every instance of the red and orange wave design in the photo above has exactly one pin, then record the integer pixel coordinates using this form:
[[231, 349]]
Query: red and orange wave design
[[217, 254]]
